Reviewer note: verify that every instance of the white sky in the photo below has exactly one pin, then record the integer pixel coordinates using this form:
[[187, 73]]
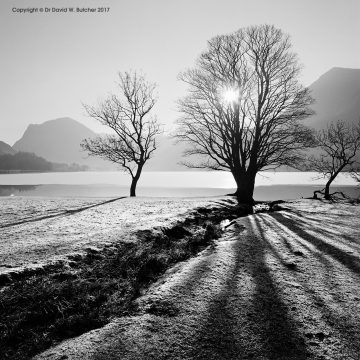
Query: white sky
[[51, 63]]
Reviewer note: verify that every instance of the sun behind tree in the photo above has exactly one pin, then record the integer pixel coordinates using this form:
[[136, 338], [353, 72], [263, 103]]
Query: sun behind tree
[[244, 106]]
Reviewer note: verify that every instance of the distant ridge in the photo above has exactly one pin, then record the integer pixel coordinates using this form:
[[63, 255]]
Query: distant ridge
[[6, 148], [337, 97], [59, 141]]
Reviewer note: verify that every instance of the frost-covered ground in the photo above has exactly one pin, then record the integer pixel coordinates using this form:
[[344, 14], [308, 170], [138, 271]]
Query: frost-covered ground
[[36, 230], [282, 285]]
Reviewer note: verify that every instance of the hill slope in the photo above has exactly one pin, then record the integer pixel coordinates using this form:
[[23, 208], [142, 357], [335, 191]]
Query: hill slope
[[6, 149], [58, 141], [337, 97]]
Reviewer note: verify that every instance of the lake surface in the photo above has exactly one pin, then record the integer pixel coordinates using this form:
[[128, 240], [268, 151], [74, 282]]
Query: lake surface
[[269, 185]]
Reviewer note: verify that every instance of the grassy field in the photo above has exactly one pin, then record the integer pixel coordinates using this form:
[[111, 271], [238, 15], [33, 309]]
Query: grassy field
[[37, 231], [87, 289]]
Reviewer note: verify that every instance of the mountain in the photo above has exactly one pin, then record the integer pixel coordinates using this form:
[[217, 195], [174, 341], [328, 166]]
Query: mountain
[[337, 97], [59, 141], [6, 149]]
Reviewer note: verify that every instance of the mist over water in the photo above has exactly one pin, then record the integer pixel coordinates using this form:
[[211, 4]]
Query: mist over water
[[269, 185]]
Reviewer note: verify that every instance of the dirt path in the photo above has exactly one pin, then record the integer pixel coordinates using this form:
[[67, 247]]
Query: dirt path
[[282, 285]]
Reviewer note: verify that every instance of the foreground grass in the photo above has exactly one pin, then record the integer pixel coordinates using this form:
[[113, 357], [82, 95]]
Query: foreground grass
[[38, 311]]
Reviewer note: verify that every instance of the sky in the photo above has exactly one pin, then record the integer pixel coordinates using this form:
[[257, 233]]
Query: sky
[[53, 62]]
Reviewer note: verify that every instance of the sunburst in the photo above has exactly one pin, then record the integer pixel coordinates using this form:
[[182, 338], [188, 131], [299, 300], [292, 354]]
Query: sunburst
[[230, 95]]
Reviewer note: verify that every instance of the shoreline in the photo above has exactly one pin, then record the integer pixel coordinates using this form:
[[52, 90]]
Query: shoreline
[[262, 192]]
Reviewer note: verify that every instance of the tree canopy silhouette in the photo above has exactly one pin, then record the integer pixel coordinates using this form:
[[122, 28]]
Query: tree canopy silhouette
[[339, 146], [128, 116], [244, 106]]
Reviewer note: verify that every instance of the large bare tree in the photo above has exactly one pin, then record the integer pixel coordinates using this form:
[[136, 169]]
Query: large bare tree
[[339, 149], [244, 105], [127, 114]]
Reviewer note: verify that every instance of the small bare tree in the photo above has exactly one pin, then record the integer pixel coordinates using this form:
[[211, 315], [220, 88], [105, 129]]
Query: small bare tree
[[339, 146], [356, 175], [244, 104], [135, 130]]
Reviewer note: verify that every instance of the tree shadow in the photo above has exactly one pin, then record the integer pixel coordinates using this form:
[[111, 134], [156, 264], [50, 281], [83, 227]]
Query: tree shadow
[[218, 337], [329, 297], [248, 316], [325, 227], [348, 260], [261, 328], [60, 214]]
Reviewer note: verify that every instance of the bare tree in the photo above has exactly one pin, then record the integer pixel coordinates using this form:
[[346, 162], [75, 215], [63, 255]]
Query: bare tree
[[135, 130], [339, 146], [356, 175], [244, 104]]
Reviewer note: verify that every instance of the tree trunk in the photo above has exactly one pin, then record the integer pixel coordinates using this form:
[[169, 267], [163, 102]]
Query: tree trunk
[[133, 186], [327, 189], [245, 188], [331, 179], [134, 181], [327, 186]]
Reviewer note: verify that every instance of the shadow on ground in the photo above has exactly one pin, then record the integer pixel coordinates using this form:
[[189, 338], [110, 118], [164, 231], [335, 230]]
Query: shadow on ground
[[286, 287]]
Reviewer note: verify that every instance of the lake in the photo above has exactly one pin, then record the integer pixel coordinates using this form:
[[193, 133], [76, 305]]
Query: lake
[[269, 185]]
